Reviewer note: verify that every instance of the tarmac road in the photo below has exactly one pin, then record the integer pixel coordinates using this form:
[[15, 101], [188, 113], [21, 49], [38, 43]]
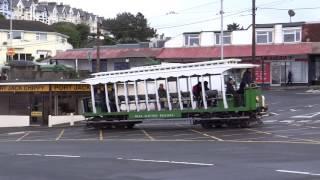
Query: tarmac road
[[286, 147]]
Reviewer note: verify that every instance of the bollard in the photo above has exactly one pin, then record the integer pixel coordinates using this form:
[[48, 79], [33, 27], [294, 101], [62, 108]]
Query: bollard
[[72, 120], [49, 122]]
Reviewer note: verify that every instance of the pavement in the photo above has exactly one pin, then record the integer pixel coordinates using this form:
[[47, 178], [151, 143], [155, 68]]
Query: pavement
[[285, 147]]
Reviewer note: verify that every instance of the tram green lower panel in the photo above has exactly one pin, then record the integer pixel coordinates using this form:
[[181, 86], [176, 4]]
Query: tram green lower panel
[[155, 115]]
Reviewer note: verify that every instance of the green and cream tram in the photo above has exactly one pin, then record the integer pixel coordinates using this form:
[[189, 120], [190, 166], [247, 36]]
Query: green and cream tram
[[127, 97]]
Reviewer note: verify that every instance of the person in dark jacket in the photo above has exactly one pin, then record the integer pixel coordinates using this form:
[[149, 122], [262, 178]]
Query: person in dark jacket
[[241, 93], [230, 89], [162, 95], [246, 78], [196, 90], [289, 78]]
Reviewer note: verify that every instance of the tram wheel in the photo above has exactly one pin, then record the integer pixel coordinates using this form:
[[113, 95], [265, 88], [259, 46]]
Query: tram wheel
[[130, 126], [245, 124], [206, 125]]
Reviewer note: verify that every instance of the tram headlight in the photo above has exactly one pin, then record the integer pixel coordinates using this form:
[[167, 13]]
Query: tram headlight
[[257, 99]]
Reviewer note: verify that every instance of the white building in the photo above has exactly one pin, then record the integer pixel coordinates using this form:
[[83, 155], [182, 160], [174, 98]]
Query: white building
[[265, 34], [32, 40], [4, 8]]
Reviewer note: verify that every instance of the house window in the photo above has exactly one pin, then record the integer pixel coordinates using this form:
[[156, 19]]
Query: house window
[[292, 35], [15, 35], [192, 40], [121, 66], [41, 36], [264, 37], [226, 38]]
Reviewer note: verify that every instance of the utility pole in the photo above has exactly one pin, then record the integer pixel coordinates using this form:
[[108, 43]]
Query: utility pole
[[221, 34], [11, 24], [98, 47], [253, 36]]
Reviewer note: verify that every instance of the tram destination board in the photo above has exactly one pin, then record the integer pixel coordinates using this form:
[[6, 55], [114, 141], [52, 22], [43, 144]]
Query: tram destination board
[[155, 115]]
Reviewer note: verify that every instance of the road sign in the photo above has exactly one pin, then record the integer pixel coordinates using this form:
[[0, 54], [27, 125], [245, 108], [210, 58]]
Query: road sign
[[10, 52]]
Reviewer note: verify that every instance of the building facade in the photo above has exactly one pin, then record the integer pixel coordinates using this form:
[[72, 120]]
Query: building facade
[[4, 8], [47, 12], [269, 37], [31, 40]]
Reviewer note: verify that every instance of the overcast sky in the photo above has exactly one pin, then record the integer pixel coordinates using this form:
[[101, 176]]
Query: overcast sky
[[200, 14]]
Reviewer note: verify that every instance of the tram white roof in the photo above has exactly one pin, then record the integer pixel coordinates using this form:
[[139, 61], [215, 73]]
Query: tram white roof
[[167, 70]]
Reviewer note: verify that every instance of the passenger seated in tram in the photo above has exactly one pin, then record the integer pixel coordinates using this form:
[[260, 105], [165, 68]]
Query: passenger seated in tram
[[211, 95], [230, 91], [162, 95], [100, 98], [196, 90]]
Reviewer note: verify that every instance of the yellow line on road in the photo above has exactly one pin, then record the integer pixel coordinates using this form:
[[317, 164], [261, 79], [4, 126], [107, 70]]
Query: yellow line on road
[[60, 135], [101, 135], [25, 135], [207, 135], [148, 135]]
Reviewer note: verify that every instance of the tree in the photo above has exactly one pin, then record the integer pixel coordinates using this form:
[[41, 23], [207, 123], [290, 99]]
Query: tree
[[84, 32], [2, 17], [129, 28], [70, 30], [234, 26]]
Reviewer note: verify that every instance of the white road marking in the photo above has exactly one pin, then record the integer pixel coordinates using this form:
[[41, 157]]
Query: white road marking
[[293, 110], [287, 121], [298, 172], [66, 156], [270, 121], [169, 162], [49, 155], [25, 135], [207, 135], [29, 155], [303, 121], [16, 133], [308, 116], [273, 113]]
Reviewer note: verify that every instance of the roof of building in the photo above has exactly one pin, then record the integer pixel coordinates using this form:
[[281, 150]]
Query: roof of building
[[27, 3], [41, 8], [236, 51], [26, 25], [109, 53], [231, 51], [50, 7]]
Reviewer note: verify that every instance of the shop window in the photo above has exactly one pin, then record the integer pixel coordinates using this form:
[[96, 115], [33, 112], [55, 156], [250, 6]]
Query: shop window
[[29, 57], [292, 35], [264, 37], [22, 56], [121, 66], [16, 57], [191, 39], [226, 38]]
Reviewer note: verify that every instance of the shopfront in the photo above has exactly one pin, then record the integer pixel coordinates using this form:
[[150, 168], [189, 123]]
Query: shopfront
[[276, 70], [39, 100]]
